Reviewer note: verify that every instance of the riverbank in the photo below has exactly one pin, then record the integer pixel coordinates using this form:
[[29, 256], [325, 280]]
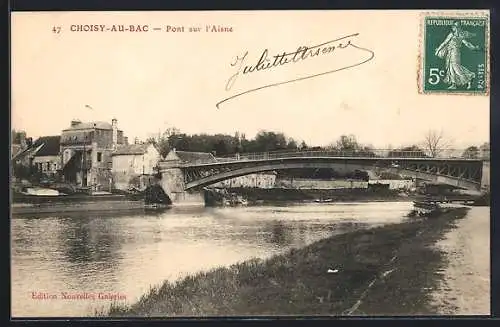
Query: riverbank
[[467, 274], [387, 270], [101, 206]]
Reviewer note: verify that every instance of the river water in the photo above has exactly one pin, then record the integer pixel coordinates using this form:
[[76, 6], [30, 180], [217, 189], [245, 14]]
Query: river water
[[93, 257]]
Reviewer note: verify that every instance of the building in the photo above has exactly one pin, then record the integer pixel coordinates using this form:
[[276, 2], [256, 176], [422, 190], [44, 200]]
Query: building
[[37, 158], [46, 156], [86, 150], [134, 165]]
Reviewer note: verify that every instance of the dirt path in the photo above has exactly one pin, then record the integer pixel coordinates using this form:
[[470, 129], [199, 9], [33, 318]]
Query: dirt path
[[466, 286]]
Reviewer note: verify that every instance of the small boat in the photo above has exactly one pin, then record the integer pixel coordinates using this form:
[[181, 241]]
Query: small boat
[[423, 208], [323, 200], [39, 195], [156, 206], [241, 201], [425, 205]]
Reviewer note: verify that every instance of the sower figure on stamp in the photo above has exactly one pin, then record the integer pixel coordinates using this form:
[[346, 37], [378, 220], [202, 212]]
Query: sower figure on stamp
[[456, 74]]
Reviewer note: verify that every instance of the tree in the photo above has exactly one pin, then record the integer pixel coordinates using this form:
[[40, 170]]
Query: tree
[[347, 143], [163, 140], [20, 137], [471, 152], [220, 148], [485, 150], [270, 141], [435, 143], [292, 144]]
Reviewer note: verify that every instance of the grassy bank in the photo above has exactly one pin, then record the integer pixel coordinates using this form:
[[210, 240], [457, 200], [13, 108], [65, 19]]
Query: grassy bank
[[384, 270]]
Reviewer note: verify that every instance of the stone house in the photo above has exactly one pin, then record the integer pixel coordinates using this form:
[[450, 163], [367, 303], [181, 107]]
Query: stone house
[[134, 165], [86, 149]]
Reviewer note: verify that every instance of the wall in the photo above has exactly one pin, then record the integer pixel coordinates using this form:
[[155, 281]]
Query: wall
[[396, 184], [53, 161], [100, 175], [320, 184], [172, 181], [332, 184], [252, 180], [125, 168]]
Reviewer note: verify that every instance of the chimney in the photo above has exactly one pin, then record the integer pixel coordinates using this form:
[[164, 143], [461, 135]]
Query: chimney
[[75, 122], [125, 140], [114, 126]]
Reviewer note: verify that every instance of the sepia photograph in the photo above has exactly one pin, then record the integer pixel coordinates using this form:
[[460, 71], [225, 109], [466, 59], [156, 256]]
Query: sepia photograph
[[250, 163]]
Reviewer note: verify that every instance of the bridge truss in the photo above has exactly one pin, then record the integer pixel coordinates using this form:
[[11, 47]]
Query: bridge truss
[[461, 172]]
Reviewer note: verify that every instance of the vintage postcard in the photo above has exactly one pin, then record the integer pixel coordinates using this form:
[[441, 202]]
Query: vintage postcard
[[250, 163]]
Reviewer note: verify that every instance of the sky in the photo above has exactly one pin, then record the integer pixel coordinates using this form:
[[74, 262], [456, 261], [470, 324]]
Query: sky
[[153, 80]]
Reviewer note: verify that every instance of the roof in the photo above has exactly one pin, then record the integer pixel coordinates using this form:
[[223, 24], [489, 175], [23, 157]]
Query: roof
[[187, 156], [50, 146], [43, 146], [132, 149], [90, 125]]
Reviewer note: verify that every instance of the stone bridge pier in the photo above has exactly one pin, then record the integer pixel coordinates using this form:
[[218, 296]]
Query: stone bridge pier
[[172, 182]]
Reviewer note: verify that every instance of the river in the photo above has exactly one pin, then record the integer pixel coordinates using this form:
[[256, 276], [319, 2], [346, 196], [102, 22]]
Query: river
[[88, 256]]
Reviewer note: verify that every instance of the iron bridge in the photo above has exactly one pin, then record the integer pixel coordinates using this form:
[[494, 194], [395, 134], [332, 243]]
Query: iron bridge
[[464, 173]]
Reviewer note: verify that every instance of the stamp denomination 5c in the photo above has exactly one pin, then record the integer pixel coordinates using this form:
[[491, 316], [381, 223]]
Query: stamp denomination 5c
[[454, 54]]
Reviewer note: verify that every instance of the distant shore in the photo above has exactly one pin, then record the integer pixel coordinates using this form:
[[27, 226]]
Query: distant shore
[[386, 270], [256, 196]]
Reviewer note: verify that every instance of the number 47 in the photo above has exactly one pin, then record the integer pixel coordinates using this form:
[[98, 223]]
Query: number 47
[[435, 76], [56, 29]]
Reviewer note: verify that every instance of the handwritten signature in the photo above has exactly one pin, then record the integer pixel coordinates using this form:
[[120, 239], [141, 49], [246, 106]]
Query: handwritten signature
[[302, 53]]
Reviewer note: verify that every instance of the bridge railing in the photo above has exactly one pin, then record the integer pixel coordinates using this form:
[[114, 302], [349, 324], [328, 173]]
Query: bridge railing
[[372, 153]]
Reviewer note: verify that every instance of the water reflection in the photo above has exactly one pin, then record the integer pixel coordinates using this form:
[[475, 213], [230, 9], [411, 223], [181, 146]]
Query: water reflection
[[128, 253]]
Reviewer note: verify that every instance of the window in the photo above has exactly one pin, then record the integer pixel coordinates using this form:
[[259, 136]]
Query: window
[[99, 156]]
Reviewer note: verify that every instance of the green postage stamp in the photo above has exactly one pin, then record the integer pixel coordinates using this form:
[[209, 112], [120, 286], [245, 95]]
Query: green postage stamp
[[454, 54]]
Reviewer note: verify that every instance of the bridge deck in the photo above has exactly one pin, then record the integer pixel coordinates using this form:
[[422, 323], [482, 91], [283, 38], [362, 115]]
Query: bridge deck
[[383, 155]]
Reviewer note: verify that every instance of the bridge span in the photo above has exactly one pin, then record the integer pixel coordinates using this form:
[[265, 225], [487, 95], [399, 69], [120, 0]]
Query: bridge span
[[180, 176]]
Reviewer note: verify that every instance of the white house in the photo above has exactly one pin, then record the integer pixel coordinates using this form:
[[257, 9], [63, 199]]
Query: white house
[[133, 165]]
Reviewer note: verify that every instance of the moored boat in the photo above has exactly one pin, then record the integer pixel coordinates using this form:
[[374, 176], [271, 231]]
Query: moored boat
[[42, 196], [423, 208]]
